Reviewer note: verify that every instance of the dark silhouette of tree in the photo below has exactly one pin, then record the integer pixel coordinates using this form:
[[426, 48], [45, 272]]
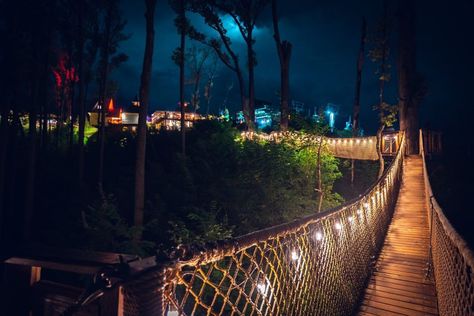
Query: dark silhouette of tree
[[222, 46], [356, 106], [184, 28], [411, 86], [109, 58], [38, 31], [87, 47], [211, 75], [380, 54], [284, 54], [245, 14], [197, 58], [144, 100]]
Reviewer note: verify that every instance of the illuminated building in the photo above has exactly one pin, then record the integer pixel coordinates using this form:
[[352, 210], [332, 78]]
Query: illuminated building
[[171, 120], [264, 115], [115, 116], [297, 107]]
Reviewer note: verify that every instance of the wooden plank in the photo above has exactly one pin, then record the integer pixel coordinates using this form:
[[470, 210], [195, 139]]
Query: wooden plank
[[402, 297], [399, 285], [395, 309], [392, 300]]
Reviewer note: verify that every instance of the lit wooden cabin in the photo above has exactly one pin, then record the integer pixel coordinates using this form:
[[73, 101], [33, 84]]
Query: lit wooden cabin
[[115, 116]]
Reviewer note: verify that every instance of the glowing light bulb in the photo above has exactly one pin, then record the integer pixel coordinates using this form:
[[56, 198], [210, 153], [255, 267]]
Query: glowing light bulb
[[359, 211], [319, 236], [294, 255], [338, 226], [357, 140], [172, 311], [366, 205], [262, 288], [350, 219]]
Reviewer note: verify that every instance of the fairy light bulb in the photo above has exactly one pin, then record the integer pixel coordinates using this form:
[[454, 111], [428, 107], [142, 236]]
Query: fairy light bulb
[[262, 288], [294, 255], [172, 311], [338, 226], [318, 236], [350, 219]]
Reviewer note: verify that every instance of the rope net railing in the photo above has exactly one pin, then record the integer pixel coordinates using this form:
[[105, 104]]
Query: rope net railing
[[317, 265], [452, 259]]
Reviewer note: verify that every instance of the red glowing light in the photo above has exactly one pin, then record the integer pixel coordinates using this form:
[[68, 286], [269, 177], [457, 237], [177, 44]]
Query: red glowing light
[[110, 108]]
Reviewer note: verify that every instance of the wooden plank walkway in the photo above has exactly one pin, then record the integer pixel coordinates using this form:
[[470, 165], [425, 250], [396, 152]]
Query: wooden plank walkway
[[399, 285]]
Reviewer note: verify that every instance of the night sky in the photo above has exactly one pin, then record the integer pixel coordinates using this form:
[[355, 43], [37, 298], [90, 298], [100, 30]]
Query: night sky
[[325, 36]]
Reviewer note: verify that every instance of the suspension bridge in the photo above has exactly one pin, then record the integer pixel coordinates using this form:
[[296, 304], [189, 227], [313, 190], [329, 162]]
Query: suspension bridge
[[390, 251]]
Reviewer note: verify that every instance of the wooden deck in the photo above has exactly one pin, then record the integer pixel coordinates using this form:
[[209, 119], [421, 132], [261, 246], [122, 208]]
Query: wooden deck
[[399, 285]]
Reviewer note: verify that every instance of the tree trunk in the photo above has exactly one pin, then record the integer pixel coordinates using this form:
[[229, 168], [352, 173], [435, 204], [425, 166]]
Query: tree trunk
[[320, 178], [102, 98], [31, 169], [285, 93], [379, 151], [408, 112], [141, 132], [3, 161], [181, 77], [356, 108], [251, 99], [284, 49], [81, 100]]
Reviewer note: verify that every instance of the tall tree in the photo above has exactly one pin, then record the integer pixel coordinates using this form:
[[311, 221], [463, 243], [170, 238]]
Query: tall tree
[[245, 14], [144, 101], [356, 106], [40, 34], [112, 36], [221, 45], [411, 86], [380, 54], [211, 75], [284, 54], [184, 28], [197, 58]]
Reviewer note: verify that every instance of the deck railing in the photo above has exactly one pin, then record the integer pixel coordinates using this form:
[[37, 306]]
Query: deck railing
[[453, 261], [317, 265]]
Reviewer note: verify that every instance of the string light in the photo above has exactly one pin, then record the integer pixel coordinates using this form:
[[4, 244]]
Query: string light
[[262, 288], [172, 311], [350, 219], [318, 236], [366, 205], [294, 255], [338, 226]]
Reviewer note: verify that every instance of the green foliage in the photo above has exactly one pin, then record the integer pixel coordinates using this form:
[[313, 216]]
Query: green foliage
[[106, 230], [204, 225], [387, 113], [225, 186], [229, 185]]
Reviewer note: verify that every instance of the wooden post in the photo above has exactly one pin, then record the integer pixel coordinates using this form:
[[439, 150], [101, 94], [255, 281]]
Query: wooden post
[[16, 288]]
